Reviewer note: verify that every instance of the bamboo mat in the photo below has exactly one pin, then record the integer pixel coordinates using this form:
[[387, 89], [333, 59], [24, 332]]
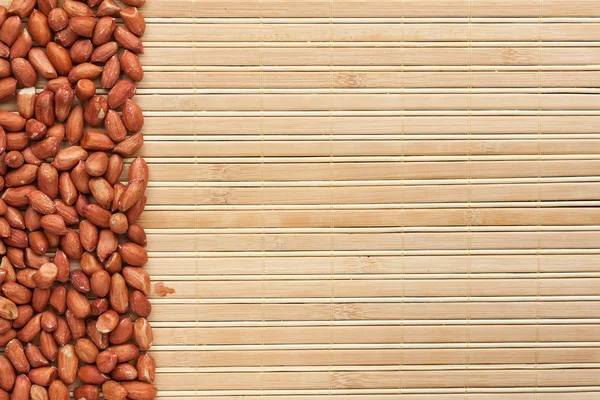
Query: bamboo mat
[[375, 199]]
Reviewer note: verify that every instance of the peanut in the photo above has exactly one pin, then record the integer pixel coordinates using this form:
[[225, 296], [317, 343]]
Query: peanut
[[69, 201]]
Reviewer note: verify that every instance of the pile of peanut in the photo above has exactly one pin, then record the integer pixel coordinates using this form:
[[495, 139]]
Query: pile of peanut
[[73, 303]]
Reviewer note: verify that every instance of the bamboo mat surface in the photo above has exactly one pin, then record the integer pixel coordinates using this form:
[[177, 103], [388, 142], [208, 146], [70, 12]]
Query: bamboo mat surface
[[375, 199]]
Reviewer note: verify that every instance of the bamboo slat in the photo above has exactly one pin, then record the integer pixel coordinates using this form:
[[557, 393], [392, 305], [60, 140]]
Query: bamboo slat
[[306, 125], [353, 312], [419, 149], [372, 195], [370, 242], [219, 55], [378, 379], [386, 288], [352, 171], [371, 218], [368, 102], [285, 267], [368, 79], [375, 359], [382, 32], [383, 335]]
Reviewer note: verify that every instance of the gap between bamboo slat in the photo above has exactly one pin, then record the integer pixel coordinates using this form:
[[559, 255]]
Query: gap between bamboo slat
[[375, 311], [385, 229], [364, 159], [396, 346], [292, 138], [579, 395], [392, 322], [345, 368], [388, 182], [376, 9], [391, 68], [364, 91], [381, 44], [333, 393], [378, 300], [371, 253], [371, 113], [373, 276], [363, 20]]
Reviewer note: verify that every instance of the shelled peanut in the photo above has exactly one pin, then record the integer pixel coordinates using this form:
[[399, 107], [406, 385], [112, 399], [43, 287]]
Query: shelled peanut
[[73, 297]]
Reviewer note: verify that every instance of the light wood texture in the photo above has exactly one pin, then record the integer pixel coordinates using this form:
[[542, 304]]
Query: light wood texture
[[367, 266], [371, 380], [440, 337], [283, 173], [374, 200], [432, 125], [382, 32], [368, 102], [219, 56], [367, 79]]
